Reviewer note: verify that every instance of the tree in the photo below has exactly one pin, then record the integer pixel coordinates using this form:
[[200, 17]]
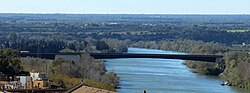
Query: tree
[[101, 45], [10, 65]]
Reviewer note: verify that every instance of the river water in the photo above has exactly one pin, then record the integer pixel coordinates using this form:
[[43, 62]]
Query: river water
[[161, 75]]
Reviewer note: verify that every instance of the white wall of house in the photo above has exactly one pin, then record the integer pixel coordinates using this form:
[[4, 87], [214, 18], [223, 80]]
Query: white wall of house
[[24, 79], [38, 76], [35, 76]]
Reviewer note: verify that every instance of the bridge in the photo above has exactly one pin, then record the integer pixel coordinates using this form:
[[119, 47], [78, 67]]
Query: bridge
[[207, 58]]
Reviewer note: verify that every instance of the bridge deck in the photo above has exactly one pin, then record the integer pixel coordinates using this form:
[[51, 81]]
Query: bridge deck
[[208, 58]]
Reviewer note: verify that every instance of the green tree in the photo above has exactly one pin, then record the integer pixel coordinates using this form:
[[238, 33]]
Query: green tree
[[10, 65]]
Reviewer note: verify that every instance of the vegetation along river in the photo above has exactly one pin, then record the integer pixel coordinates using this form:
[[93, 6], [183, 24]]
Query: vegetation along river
[[162, 75]]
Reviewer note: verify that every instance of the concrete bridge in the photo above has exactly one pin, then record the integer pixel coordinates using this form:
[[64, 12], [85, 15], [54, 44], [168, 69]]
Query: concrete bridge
[[207, 58]]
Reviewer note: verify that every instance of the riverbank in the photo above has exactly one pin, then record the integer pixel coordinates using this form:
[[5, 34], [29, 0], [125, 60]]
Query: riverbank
[[234, 69], [232, 55], [237, 70], [161, 75], [206, 68]]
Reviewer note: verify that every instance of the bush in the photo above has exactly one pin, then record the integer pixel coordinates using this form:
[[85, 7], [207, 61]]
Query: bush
[[205, 67]]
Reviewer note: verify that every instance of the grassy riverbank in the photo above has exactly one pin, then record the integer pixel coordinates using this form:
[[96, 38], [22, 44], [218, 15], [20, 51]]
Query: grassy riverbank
[[235, 68]]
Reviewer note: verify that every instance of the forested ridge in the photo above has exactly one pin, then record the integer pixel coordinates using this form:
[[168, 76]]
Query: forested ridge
[[226, 35]]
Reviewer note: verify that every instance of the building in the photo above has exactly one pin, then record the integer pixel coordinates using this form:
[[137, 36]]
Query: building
[[38, 76], [41, 84], [26, 81], [10, 85], [39, 80], [35, 80], [79, 88], [83, 88]]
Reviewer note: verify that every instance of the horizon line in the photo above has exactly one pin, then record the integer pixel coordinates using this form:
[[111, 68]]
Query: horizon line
[[127, 13]]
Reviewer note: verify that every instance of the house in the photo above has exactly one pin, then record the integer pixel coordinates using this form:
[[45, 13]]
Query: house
[[83, 88], [10, 85], [26, 81], [41, 84], [38, 76], [13, 85], [79, 88], [39, 80], [35, 80]]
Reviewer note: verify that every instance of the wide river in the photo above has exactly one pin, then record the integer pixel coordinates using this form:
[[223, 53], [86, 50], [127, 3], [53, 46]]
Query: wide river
[[161, 75]]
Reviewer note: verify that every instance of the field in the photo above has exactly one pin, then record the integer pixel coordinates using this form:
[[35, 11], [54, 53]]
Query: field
[[237, 31]]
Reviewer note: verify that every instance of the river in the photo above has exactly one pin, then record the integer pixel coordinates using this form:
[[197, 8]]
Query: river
[[161, 75]]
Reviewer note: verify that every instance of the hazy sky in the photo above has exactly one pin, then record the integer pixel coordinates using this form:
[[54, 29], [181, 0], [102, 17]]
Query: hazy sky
[[127, 6]]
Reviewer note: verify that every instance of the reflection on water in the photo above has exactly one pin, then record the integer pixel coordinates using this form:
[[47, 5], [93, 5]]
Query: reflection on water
[[161, 75]]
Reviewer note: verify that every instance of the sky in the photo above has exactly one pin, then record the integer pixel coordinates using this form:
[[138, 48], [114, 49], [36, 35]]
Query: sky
[[126, 6]]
